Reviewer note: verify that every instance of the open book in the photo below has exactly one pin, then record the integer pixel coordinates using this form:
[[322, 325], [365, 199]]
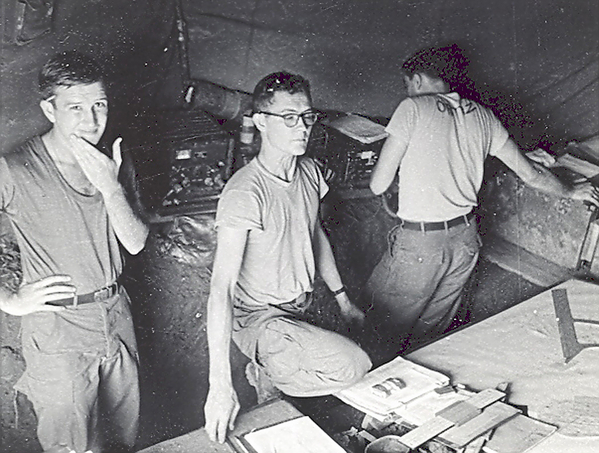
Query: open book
[[387, 389]]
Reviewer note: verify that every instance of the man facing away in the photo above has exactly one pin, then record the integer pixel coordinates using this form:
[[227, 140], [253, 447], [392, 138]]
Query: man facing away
[[70, 215], [269, 244], [438, 142]]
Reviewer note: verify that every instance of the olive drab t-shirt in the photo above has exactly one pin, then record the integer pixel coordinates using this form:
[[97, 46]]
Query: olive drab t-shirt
[[58, 230], [278, 264], [447, 140]]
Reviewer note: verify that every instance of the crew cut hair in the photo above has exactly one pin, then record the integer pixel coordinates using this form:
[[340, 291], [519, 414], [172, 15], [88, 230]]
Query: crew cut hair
[[278, 81], [66, 69], [446, 63]]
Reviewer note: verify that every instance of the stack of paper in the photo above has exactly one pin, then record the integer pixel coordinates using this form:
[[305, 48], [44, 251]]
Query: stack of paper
[[417, 380], [359, 128]]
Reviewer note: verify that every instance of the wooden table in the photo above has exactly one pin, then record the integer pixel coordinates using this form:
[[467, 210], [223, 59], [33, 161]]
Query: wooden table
[[522, 346], [267, 414]]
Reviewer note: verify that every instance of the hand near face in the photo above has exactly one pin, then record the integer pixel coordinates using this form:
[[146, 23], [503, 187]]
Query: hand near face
[[101, 170]]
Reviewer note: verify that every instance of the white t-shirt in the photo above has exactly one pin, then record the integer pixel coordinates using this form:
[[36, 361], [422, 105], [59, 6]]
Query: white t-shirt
[[448, 139], [278, 265]]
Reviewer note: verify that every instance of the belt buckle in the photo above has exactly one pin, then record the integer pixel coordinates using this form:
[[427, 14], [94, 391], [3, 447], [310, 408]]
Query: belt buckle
[[102, 294]]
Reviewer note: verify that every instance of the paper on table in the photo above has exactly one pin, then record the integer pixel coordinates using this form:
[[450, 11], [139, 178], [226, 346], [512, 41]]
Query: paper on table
[[520, 434], [418, 381], [300, 435]]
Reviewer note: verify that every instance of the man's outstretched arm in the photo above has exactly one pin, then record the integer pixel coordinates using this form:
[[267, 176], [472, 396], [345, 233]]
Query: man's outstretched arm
[[222, 404], [540, 178], [385, 170]]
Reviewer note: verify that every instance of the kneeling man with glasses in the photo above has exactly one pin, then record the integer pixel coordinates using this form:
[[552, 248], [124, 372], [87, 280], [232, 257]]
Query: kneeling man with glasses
[[270, 243]]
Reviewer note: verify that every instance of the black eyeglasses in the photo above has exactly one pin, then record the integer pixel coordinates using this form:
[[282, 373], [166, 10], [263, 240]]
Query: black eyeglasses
[[291, 119]]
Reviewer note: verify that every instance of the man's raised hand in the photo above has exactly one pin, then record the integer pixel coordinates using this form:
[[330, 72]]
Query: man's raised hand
[[101, 170]]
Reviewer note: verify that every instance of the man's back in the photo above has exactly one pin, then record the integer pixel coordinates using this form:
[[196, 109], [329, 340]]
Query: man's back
[[447, 140]]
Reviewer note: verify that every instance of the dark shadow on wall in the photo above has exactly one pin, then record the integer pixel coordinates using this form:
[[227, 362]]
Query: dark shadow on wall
[[135, 42]]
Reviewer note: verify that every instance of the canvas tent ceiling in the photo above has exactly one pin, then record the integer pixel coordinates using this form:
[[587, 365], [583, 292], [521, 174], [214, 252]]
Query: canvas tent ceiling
[[535, 61], [539, 58]]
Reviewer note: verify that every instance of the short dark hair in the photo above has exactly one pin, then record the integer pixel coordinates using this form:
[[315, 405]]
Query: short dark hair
[[446, 63], [278, 81], [66, 69]]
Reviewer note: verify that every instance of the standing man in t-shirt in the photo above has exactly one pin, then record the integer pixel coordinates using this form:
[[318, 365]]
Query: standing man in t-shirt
[[437, 145], [269, 244], [71, 214]]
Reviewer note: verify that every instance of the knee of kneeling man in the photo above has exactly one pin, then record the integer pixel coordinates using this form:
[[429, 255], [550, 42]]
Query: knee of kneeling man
[[360, 364], [364, 362]]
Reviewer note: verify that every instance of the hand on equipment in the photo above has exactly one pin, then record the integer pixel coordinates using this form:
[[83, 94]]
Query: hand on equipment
[[220, 412], [101, 170], [33, 297], [586, 192], [542, 157]]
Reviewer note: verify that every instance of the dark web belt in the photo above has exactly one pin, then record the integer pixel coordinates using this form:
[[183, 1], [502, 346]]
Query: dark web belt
[[436, 226], [96, 296]]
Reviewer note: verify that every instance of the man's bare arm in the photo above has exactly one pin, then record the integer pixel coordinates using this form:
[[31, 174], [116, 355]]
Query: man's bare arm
[[539, 177], [102, 172], [131, 230], [325, 261], [222, 404], [387, 165]]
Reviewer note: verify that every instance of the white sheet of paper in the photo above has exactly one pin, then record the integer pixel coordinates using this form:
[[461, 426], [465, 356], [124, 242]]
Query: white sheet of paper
[[300, 435]]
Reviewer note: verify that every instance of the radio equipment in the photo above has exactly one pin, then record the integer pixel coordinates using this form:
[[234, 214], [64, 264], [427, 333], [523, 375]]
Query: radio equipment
[[348, 148], [187, 157]]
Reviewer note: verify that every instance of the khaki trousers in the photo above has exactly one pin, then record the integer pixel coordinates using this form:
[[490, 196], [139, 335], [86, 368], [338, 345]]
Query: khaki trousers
[[82, 376]]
